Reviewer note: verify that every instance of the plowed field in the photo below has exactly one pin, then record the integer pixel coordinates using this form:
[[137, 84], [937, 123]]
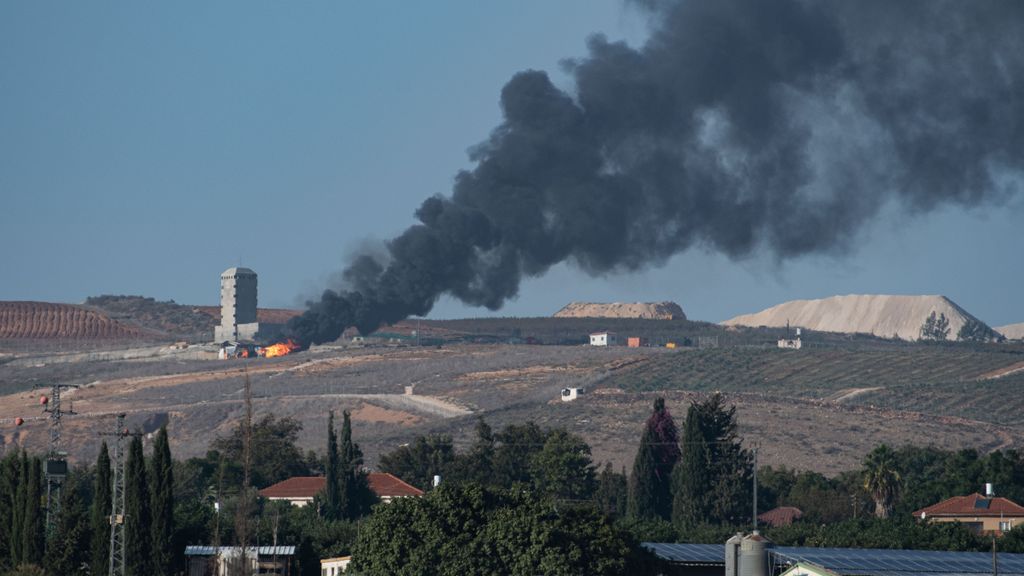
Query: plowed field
[[43, 321]]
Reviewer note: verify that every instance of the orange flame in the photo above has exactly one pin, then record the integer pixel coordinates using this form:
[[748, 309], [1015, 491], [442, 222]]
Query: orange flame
[[279, 349]]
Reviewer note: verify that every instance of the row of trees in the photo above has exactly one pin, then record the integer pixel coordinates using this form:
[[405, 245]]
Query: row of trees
[[80, 540], [701, 477]]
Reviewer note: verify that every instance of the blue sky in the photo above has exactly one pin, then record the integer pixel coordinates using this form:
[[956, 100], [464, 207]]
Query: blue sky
[[145, 147]]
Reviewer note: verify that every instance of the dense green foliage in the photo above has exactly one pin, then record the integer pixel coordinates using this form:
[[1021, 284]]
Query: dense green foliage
[[275, 457], [468, 529], [935, 328]]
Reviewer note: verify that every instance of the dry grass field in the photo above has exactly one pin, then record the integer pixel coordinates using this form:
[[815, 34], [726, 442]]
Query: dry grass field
[[820, 409]]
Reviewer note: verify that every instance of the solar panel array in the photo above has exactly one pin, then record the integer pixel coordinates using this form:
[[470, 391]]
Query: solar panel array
[[856, 562], [851, 562]]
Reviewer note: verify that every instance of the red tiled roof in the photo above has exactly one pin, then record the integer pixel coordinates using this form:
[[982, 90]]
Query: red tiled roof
[[384, 485], [781, 516], [973, 505]]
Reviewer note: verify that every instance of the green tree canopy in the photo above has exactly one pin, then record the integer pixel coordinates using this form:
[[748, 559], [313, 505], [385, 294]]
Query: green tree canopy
[[882, 479], [275, 456], [471, 530], [650, 485]]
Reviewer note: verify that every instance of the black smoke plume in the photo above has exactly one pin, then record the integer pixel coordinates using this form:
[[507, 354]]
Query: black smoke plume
[[740, 125]]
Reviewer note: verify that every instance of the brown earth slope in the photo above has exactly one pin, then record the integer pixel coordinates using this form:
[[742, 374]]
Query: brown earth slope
[[48, 321]]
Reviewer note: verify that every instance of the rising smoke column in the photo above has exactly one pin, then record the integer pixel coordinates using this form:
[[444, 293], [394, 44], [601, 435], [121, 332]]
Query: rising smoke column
[[740, 125]]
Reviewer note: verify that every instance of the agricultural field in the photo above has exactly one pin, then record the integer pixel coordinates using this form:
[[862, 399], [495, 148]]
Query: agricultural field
[[43, 320], [819, 408]]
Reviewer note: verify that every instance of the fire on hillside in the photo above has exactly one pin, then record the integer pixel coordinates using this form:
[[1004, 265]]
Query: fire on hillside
[[239, 350]]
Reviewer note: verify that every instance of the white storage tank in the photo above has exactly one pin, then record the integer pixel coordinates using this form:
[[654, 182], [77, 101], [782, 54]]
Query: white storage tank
[[732, 554], [754, 555]]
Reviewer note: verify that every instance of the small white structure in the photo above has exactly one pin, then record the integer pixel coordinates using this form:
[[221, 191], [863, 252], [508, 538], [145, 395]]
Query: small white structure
[[570, 394], [602, 339], [790, 344], [334, 566]]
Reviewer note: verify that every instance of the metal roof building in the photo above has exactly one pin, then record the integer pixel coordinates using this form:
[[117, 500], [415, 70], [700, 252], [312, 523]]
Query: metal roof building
[[700, 559]]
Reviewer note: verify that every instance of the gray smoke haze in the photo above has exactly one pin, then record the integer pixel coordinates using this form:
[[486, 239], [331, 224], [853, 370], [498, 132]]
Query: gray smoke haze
[[740, 125]]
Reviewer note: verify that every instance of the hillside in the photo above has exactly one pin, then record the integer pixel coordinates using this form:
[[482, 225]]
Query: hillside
[[1012, 331], [821, 408], [48, 321], [881, 315], [644, 310]]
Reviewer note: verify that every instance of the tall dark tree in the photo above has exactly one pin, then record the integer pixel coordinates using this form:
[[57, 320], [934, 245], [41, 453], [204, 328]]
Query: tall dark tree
[[138, 519], [9, 478], [100, 514], [650, 486], [162, 504], [68, 550], [882, 479], [712, 483], [275, 455], [332, 499], [18, 502], [357, 498], [612, 491], [32, 535]]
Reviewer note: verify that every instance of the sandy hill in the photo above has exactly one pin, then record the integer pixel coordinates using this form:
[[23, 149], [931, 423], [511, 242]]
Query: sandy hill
[[881, 315], [646, 310], [1012, 331]]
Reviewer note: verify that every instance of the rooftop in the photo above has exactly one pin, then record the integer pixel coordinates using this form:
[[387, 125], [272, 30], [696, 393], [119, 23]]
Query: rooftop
[[384, 485], [973, 505]]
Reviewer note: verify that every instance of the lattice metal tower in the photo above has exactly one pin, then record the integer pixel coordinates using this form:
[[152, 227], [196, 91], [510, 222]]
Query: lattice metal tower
[[56, 458], [117, 544]]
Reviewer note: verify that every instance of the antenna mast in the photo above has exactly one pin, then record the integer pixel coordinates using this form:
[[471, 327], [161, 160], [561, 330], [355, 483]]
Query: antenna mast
[[56, 458], [117, 543]]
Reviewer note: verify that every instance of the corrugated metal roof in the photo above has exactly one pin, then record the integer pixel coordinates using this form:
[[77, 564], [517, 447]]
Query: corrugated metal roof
[[854, 561], [263, 550]]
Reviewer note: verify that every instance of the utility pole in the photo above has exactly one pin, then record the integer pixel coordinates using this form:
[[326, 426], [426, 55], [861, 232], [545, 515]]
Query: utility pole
[[755, 488], [117, 543], [56, 458], [242, 518]]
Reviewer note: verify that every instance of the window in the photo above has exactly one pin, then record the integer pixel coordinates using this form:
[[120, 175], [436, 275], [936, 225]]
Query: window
[[1005, 526]]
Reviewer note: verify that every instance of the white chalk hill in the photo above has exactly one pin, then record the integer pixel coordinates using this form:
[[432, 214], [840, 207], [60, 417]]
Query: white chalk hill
[[878, 314], [1012, 331]]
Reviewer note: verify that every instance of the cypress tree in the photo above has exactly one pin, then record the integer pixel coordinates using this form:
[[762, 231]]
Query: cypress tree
[[162, 483], [691, 478], [18, 503], [101, 514], [32, 536], [137, 514], [650, 486], [10, 474], [68, 551], [354, 487], [332, 491]]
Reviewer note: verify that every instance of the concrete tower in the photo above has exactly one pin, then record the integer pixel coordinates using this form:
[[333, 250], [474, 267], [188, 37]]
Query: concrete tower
[[237, 306]]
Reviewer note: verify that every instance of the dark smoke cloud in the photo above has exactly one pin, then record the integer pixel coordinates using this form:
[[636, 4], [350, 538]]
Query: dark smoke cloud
[[740, 125]]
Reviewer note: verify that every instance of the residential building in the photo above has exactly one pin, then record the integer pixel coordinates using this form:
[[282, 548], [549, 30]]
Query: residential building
[[229, 560], [334, 566], [981, 514], [300, 490], [602, 339]]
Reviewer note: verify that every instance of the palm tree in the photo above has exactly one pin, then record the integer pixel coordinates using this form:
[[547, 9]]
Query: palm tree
[[882, 479]]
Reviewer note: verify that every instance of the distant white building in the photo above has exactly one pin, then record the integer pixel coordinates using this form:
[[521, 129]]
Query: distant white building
[[570, 394], [603, 339], [334, 566], [791, 343]]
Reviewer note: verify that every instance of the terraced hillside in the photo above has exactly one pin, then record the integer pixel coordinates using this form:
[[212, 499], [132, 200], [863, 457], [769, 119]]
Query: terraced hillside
[[817, 408], [48, 321], [813, 371]]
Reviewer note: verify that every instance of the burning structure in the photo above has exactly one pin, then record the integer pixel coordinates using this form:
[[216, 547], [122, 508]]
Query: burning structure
[[237, 306]]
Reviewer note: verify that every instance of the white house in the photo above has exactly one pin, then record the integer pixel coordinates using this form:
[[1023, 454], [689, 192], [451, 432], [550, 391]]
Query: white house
[[602, 339], [570, 394], [334, 566]]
